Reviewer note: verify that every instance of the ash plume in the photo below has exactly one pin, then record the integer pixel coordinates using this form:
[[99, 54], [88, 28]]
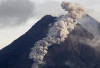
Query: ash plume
[[58, 32]]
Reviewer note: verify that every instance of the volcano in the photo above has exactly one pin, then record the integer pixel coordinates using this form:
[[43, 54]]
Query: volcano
[[72, 53]]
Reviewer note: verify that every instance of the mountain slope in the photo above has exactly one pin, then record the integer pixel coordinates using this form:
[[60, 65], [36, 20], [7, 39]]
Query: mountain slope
[[90, 24], [72, 53], [16, 54]]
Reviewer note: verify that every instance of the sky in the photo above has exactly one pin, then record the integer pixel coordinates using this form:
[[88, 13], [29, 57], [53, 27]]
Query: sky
[[18, 16]]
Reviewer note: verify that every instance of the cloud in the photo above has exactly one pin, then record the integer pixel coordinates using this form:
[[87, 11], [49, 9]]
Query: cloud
[[48, 7], [14, 12]]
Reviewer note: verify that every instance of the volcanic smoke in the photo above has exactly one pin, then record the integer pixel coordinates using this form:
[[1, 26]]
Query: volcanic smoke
[[58, 32]]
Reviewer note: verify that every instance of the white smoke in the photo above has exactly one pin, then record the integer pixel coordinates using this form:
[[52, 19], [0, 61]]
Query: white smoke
[[57, 33], [35, 65]]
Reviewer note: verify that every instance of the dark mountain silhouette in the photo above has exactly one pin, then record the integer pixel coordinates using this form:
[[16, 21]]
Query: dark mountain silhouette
[[72, 53]]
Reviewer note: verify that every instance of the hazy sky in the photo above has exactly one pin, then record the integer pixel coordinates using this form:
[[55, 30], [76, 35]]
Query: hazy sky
[[17, 16]]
